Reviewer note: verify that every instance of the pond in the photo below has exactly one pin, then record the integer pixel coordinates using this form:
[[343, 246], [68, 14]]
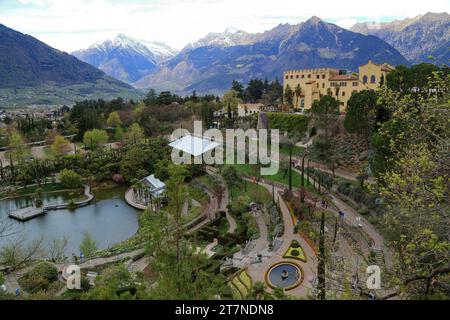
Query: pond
[[109, 220]]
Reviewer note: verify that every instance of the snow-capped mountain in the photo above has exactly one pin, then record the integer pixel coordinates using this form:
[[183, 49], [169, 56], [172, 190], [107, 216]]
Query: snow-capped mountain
[[230, 37], [125, 58], [160, 50], [212, 63]]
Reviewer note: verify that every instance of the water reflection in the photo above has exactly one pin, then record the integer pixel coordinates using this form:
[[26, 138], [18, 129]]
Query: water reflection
[[108, 219]]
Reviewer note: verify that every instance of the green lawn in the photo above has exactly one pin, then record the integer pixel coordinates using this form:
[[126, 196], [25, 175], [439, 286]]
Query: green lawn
[[45, 188], [206, 180], [253, 170], [296, 151], [255, 192], [193, 213], [198, 194]]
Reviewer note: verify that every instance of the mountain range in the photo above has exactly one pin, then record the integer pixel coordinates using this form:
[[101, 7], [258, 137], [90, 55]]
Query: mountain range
[[33, 72], [125, 58], [417, 38], [211, 64]]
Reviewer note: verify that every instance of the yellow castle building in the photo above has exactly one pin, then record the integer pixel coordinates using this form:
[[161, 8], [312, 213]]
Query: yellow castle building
[[309, 85]]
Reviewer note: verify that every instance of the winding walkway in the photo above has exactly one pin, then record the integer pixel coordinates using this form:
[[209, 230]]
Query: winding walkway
[[102, 261], [257, 272], [352, 216], [225, 199]]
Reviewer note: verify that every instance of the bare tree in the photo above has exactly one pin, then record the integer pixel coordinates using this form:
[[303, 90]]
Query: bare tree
[[16, 254], [56, 250]]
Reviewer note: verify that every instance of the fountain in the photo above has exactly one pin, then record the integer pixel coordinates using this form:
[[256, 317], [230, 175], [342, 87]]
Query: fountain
[[285, 275]]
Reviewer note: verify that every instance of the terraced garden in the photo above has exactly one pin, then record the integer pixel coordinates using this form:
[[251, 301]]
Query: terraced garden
[[241, 285]]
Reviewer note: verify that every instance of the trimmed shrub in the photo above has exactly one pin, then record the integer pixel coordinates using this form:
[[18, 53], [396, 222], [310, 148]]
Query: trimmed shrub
[[295, 244]]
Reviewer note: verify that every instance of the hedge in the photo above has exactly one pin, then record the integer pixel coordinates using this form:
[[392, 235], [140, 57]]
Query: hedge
[[288, 122]]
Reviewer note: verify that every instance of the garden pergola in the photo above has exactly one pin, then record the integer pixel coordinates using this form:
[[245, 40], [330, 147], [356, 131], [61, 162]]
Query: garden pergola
[[194, 146]]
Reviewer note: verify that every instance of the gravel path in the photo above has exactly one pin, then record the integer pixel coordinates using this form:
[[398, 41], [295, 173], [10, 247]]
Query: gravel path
[[258, 271]]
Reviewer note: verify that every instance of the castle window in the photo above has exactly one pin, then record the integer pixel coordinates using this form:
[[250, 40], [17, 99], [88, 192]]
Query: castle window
[[373, 79], [309, 76], [323, 85], [343, 93], [323, 76], [292, 77], [365, 79], [303, 76], [317, 86], [296, 76], [287, 77], [355, 84], [318, 76]]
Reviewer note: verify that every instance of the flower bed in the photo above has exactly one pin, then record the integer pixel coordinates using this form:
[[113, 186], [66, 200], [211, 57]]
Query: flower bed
[[241, 285], [295, 251], [245, 279]]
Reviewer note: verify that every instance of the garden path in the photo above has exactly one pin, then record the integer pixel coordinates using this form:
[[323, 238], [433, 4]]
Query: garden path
[[225, 199], [258, 271], [352, 218]]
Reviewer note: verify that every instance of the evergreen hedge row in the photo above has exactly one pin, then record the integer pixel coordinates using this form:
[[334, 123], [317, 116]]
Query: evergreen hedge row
[[288, 122]]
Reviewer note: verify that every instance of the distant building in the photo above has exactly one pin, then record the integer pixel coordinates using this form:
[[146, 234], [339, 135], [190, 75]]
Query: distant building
[[247, 109], [315, 83], [220, 113], [271, 108]]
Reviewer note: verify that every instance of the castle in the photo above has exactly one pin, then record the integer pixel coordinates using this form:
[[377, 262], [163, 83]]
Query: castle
[[309, 85]]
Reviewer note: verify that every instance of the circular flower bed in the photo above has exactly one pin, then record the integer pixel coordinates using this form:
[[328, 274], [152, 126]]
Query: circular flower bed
[[295, 244]]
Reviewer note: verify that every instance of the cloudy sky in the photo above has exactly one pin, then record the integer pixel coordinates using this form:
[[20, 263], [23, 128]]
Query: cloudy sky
[[73, 24]]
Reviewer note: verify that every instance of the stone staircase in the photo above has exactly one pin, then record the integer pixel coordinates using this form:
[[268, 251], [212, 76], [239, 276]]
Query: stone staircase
[[379, 257]]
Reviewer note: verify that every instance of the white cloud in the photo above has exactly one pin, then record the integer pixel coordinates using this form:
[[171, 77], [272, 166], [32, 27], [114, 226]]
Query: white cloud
[[74, 24], [39, 3], [346, 23]]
